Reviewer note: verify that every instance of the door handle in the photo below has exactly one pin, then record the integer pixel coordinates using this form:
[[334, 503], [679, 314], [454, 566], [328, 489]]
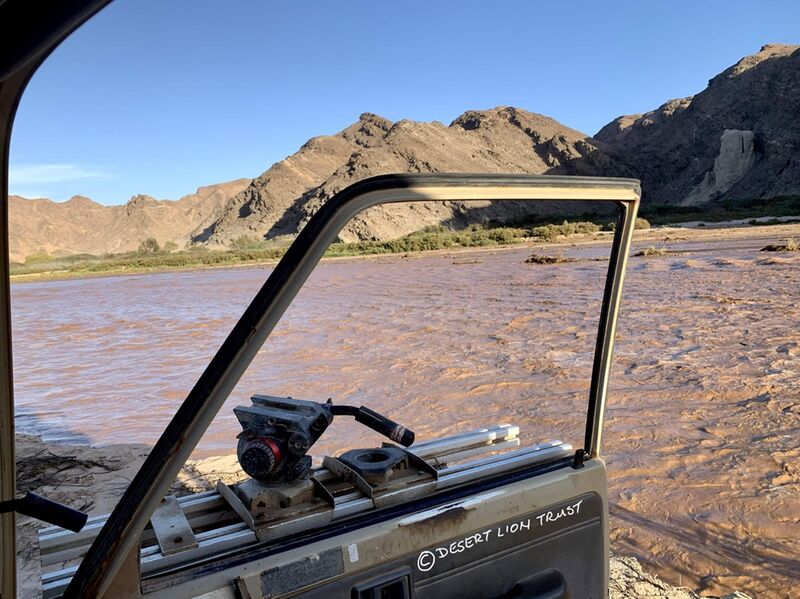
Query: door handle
[[549, 584]]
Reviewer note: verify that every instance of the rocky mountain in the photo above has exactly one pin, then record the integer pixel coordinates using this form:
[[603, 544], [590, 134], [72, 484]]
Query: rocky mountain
[[738, 138], [83, 226], [503, 139]]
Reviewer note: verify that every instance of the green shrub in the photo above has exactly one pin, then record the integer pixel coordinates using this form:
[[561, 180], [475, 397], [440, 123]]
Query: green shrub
[[38, 257], [149, 246], [248, 243], [552, 232], [641, 223], [248, 248], [436, 237]]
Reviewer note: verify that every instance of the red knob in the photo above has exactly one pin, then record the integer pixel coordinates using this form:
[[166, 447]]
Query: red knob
[[259, 456]]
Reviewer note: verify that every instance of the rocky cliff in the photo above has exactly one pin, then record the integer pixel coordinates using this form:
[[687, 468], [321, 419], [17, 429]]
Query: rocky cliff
[[738, 138]]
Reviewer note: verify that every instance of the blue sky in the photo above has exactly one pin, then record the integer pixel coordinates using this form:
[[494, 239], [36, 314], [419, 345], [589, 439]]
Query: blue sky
[[160, 97]]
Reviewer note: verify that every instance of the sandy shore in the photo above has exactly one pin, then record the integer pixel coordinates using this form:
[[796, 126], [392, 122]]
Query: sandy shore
[[93, 479]]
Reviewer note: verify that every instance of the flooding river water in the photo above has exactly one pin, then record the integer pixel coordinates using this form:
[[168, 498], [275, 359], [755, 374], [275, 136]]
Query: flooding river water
[[703, 422]]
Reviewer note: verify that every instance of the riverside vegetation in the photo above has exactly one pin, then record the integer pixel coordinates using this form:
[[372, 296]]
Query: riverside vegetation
[[250, 250]]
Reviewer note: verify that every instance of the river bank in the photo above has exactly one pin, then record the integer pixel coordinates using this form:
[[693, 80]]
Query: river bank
[[430, 242]]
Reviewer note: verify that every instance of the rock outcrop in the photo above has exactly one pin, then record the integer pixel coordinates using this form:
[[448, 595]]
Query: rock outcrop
[[629, 581], [735, 159]]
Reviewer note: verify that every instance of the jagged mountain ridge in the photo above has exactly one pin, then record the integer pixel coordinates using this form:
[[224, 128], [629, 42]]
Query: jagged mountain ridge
[[738, 138], [503, 139]]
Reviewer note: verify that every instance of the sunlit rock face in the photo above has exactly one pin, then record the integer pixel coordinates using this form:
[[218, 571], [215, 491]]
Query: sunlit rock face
[[736, 157]]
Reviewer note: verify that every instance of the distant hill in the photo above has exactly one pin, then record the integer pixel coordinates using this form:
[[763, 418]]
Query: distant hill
[[83, 226], [737, 139]]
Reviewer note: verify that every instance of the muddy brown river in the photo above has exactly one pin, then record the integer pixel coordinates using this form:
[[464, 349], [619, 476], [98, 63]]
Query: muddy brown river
[[703, 423]]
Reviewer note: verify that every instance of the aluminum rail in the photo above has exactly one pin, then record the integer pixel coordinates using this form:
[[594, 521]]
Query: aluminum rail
[[239, 536], [60, 546], [119, 536], [54, 539], [200, 507]]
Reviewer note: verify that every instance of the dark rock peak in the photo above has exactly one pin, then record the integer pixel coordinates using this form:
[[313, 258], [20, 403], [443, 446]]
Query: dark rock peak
[[619, 126], [623, 124], [663, 112], [767, 52], [534, 125], [474, 119], [369, 128], [370, 117], [672, 106], [469, 121]]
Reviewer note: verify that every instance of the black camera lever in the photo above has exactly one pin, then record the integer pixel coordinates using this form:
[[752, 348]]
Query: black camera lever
[[377, 422]]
